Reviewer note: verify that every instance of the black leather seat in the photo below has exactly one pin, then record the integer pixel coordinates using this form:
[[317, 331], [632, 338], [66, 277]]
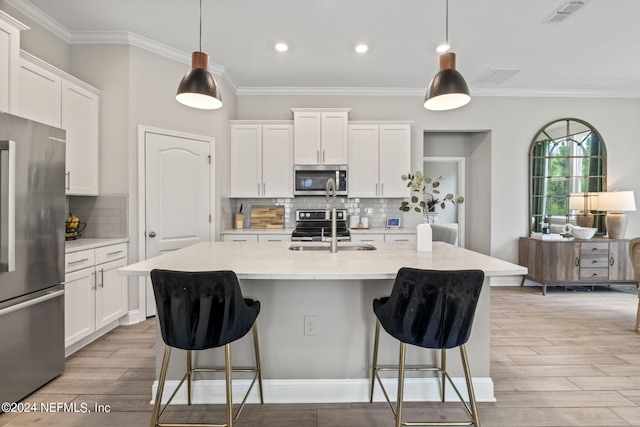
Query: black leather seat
[[430, 309], [200, 311]]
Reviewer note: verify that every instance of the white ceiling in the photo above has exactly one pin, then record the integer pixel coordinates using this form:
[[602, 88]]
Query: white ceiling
[[594, 52]]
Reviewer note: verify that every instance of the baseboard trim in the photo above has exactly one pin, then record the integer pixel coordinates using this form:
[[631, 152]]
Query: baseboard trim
[[131, 318], [324, 390]]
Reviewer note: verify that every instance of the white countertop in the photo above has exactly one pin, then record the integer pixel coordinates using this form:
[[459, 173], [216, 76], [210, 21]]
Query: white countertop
[[89, 243], [273, 260]]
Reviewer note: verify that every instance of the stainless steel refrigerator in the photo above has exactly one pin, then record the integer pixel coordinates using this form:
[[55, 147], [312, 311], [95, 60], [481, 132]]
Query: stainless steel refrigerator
[[32, 210]]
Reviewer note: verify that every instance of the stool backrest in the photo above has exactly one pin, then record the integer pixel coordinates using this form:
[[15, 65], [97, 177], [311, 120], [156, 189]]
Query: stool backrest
[[431, 308], [200, 310]]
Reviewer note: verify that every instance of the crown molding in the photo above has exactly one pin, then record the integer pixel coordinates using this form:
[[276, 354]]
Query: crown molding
[[12, 21], [123, 37], [41, 18]]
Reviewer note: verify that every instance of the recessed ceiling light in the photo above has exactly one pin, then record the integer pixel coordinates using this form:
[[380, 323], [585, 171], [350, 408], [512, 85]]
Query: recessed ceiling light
[[444, 47], [362, 48], [281, 47]]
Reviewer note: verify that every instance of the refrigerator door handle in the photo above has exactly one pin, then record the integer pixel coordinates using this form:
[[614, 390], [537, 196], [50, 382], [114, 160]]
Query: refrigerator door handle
[[31, 302], [8, 206]]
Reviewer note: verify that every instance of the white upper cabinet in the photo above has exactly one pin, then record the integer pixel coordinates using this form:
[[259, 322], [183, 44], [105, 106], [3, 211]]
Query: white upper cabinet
[[379, 153], [320, 135], [80, 109], [53, 97], [261, 159], [9, 62]]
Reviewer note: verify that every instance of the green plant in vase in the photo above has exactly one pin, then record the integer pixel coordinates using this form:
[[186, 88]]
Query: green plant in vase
[[427, 198]]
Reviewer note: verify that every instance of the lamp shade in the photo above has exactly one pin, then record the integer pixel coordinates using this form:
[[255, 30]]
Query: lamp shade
[[616, 201], [448, 89], [198, 88], [583, 201]]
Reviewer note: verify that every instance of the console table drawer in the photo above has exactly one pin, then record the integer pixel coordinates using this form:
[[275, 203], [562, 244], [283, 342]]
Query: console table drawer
[[592, 248], [594, 273], [601, 260]]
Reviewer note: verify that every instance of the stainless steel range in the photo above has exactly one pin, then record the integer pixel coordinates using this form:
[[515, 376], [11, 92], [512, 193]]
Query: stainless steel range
[[314, 224]]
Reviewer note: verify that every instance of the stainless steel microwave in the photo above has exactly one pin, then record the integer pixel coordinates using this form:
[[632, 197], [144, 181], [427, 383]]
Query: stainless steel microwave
[[311, 180]]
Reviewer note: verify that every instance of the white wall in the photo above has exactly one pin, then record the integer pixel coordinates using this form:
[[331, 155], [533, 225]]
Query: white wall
[[512, 123]]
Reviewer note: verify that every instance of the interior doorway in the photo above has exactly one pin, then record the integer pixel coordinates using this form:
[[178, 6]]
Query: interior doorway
[[453, 171]]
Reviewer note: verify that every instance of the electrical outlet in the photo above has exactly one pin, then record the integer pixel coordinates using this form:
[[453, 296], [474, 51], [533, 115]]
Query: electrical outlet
[[310, 325]]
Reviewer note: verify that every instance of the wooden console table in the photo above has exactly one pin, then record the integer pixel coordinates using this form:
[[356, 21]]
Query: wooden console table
[[599, 261]]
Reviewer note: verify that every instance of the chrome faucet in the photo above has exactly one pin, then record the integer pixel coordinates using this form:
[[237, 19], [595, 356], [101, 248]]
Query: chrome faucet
[[331, 192]]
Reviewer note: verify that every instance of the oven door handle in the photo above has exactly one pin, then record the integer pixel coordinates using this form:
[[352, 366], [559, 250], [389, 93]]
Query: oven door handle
[[8, 206]]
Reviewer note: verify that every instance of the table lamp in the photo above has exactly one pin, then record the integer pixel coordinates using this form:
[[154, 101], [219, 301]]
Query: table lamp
[[614, 202], [585, 203]]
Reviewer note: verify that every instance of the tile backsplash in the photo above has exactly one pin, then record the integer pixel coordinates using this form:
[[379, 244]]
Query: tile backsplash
[[376, 209], [106, 216]]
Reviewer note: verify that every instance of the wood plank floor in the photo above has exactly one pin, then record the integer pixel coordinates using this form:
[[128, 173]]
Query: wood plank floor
[[570, 358]]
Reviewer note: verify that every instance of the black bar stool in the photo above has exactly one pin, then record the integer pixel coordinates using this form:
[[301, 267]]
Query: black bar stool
[[199, 311], [430, 309]]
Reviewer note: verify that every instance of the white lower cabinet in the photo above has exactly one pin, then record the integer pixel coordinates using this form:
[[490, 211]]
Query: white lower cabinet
[[95, 294], [274, 237], [239, 237]]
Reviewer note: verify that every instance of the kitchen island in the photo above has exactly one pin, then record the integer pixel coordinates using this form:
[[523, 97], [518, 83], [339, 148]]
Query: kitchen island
[[330, 362]]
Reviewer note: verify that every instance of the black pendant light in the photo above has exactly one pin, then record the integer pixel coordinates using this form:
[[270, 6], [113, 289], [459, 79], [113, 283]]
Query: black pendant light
[[198, 88], [447, 89]]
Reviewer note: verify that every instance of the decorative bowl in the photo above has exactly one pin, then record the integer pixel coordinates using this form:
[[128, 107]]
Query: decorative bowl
[[584, 233]]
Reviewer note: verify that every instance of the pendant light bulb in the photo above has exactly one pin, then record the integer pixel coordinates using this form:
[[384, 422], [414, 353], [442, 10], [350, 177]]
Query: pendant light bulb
[[198, 88]]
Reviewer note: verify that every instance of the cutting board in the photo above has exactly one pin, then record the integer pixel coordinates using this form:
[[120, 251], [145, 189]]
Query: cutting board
[[267, 216]]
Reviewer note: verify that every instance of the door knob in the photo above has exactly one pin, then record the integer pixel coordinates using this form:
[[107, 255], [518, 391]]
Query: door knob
[[152, 234]]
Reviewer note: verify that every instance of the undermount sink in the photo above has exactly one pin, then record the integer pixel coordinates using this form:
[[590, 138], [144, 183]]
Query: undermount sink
[[341, 247]]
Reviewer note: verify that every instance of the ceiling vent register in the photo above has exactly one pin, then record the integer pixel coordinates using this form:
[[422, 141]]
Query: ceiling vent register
[[565, 10]]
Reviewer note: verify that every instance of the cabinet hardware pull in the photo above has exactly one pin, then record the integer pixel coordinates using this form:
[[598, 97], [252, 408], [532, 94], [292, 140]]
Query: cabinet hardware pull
[[401, 240], [114, 253], [323, 156], [68, 179], [318, 156], [382, 188], [577, 261], [594, 274], [102, 278], [264, 188], [376, 188], [594, 261], [95, 281], [611, 261], [78, 262], [594, 249]]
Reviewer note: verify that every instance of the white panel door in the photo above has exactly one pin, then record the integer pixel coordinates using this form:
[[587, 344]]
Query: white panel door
[[334, 138], [363, 161], [177, 194], [395, 159], [80, 110], [306, 138], [40, 94], [111, 293], [277, 160], [245, 142]]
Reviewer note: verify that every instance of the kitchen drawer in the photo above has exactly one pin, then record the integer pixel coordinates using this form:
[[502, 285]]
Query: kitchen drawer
[[597, 274], [367, 237], [240, 238], [274, 237], [75, 261], [400, 237], [593, 248], [111, 253]]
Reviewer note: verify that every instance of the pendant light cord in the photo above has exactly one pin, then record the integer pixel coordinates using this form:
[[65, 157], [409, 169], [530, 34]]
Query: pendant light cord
[[201, 25], [446, 25]]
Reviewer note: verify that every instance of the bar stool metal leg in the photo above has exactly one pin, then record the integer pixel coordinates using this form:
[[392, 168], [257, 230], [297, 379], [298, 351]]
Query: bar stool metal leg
[[256, 348], [443, 366], [189, 372], [403, 348], [374, 365], [467, 377], [159, 391], [227, 365]]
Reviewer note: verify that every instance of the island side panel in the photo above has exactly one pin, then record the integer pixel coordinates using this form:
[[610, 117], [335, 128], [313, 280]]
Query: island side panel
[[345, 325]]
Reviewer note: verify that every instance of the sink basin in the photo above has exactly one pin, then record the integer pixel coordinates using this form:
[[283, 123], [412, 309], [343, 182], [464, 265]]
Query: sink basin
[[341, 247]]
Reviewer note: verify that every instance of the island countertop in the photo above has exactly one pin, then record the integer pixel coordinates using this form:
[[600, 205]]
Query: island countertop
[[274, 260]]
